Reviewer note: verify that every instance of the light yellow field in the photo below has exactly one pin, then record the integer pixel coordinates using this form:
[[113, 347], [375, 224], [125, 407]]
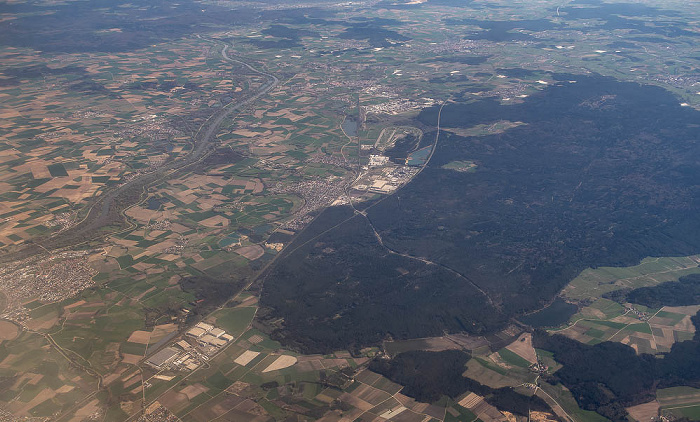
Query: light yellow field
[[281, 362]]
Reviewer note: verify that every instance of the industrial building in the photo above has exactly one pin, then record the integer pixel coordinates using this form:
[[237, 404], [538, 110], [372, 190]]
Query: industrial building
[[163, 358]]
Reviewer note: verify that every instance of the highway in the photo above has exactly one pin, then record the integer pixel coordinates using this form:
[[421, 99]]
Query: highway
[[108, 209]]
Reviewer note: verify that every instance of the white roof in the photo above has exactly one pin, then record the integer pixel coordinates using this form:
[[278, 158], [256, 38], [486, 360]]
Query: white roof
[[204, 326], [218, 342], [217, 332], [196, 332], [164, 356]]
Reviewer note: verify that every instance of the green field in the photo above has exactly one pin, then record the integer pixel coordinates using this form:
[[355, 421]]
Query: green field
[[84, 114], [593, 283], [513, 359], [234, 320]]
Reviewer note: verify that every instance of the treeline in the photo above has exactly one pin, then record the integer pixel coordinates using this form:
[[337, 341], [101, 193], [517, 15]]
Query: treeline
[[520, 228], [427, 376], [684, 292], [209, 293], [604, 378], [608, 377], [402, 148]]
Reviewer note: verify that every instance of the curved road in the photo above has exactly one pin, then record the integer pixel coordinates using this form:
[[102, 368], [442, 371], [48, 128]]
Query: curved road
[[379, 237], [418, 258]]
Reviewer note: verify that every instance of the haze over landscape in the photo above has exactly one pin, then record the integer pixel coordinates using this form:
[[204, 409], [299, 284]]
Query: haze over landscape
[[381, 210]]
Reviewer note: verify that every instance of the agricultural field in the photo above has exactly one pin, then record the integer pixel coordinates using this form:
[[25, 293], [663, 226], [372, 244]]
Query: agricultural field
[[679, 402], [594, 283], [41, 383], [157, 158], [75, 125], [647, 330], [254, 377]]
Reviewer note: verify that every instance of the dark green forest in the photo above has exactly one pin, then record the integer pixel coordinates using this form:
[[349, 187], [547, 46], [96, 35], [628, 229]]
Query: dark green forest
[[356, 292], [602, 173], [608, 377], [427, 376], [684, 292]]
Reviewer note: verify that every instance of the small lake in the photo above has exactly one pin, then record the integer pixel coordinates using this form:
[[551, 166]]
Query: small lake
[[418, 158], [350, 127], [558, 313], [229, 240]]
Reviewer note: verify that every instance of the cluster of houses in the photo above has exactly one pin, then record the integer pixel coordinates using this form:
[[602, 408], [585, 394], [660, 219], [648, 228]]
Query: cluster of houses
[[641, 315]]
